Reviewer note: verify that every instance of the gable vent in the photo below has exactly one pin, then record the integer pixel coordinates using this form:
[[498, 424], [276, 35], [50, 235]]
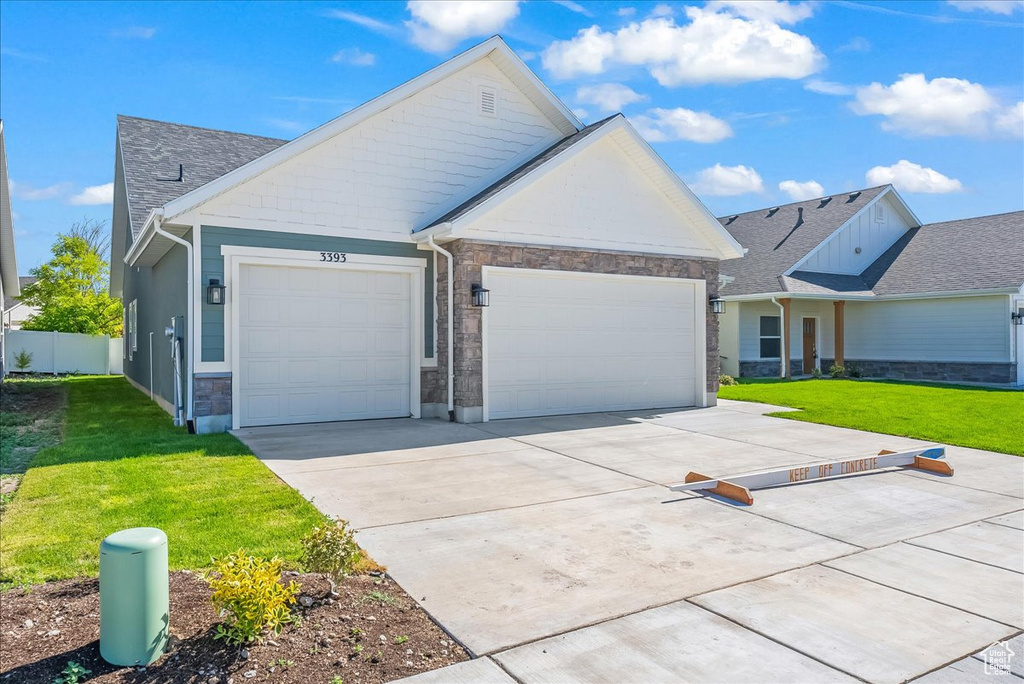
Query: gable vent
[[487, 101]]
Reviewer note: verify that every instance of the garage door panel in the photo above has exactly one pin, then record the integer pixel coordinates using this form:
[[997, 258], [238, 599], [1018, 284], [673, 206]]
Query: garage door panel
[[568, 343], [320, 344]]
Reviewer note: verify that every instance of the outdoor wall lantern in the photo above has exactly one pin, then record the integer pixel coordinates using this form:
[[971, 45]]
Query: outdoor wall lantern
[[717, 305], [1017, 317], [481, 297], [215, 292]]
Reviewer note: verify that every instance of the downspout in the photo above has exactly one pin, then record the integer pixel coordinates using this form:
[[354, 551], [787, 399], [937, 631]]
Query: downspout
[[782, 339], [449, 326], [190, 315]]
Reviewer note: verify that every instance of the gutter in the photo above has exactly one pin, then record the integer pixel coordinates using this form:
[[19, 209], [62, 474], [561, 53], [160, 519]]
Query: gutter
[[190, 316], [783, 361]]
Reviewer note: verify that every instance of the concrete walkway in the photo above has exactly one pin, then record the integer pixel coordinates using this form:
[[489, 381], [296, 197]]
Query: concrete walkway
[[552, 547]]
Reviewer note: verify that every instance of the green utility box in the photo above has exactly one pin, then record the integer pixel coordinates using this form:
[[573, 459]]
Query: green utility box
[[134, 596]]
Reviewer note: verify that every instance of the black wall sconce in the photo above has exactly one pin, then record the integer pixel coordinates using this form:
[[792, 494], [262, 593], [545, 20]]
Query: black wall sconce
[[717, 305], [215, 292], [481, 296], [1017, 317]]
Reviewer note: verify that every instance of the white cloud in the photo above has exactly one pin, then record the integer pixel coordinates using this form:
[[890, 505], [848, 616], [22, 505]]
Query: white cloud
[[440, 25], [290, 125], [662, 10], [681, 124], [799, 191], [766, 10], [581, 114], [714, 47], [608, 97], [941, 106], [141, 32], [94, 194], [817, 85], [31, 194], [626, 11], [910, 177], [574, 7], [355, 57], [1005, 7], [855, 44], [1011, 120], [728, 180], [361, 20]]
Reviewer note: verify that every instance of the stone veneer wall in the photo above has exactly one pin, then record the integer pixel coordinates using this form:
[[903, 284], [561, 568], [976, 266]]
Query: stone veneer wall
[[471, 256], [943, 371]]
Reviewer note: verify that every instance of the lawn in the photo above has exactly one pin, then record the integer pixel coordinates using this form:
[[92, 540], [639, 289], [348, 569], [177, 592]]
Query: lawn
[[123, 464], [964, 416]]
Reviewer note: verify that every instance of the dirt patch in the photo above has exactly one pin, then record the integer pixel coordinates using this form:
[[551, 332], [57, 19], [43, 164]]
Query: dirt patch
[[31, 417], [370, 631]]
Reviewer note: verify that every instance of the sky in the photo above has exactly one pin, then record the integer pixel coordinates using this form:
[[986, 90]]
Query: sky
[[753, 104]]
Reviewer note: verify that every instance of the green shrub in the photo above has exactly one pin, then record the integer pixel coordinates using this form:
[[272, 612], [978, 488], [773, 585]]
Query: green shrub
[[22, 360], [816, 373], [250, 597], [836, 371], [72, 674], [853, 371], [330, 548], [725, 380]]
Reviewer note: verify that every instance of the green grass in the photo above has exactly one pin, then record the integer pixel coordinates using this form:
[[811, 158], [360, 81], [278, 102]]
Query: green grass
[[123, 464], [31, 412], [964, 416]]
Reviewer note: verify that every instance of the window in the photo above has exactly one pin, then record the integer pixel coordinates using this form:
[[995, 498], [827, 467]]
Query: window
[[771, 340], [879, 212], [133, 327], [487, 101]]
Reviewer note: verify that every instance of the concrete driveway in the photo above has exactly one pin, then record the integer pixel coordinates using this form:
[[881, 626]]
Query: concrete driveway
[[552, 547]]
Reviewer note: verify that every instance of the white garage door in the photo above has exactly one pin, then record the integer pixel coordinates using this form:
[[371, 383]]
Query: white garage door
[[576, 343], [321, 344]]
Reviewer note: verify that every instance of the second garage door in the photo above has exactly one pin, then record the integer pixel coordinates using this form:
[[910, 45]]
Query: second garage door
[[323, 344], [559, 342]]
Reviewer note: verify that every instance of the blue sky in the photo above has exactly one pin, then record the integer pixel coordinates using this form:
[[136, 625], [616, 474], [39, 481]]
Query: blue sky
[[737, 97]]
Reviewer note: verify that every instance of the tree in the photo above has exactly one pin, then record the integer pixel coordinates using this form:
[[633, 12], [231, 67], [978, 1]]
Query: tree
[[71, 288]]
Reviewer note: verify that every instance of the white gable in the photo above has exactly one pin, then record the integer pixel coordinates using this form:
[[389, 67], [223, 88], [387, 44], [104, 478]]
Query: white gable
[[398, 169], [599, 198], [861, 240]]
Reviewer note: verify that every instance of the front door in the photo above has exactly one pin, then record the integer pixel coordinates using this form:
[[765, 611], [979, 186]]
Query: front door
[[810, 345]]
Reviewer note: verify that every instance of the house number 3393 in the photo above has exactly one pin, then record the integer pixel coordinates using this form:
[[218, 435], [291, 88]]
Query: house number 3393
[[336, 257]]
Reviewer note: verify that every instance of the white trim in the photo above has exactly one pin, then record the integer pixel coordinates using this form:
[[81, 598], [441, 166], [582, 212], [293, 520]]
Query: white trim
[[235, 257], [284, 227], [700, 320], [767, 296], [723, 244], [356, 116], [900, 206]]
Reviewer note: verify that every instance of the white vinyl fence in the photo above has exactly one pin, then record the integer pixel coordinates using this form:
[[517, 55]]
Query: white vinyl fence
[[54, 352]]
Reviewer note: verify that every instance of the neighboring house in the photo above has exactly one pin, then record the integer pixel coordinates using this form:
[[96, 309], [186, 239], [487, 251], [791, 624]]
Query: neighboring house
[[16, 311], [855, 280], [343, 252], [9, 286]]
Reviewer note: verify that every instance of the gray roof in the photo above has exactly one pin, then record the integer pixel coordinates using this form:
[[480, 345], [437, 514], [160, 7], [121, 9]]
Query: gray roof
[[153, 150], [10, 301], [550, 153], [778, 237], [983, 253]]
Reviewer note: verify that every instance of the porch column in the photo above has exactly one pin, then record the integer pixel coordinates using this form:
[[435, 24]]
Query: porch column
[[840, 340], [786, 330]]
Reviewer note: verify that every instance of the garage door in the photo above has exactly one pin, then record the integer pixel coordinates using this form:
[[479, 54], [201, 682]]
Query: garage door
[[576, 343], [321, 344]]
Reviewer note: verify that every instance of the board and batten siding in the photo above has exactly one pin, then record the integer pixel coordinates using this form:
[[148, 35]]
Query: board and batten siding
[[399, 169], [598, 199], [212, 238], [949, 329], [838, 254]]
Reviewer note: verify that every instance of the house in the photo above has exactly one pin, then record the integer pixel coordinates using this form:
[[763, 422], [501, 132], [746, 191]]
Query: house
[[15, 310], [9, 285], [460, 247], [856, 280]]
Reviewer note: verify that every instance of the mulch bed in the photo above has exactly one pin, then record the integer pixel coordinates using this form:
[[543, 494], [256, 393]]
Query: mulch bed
[[363, 639]]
